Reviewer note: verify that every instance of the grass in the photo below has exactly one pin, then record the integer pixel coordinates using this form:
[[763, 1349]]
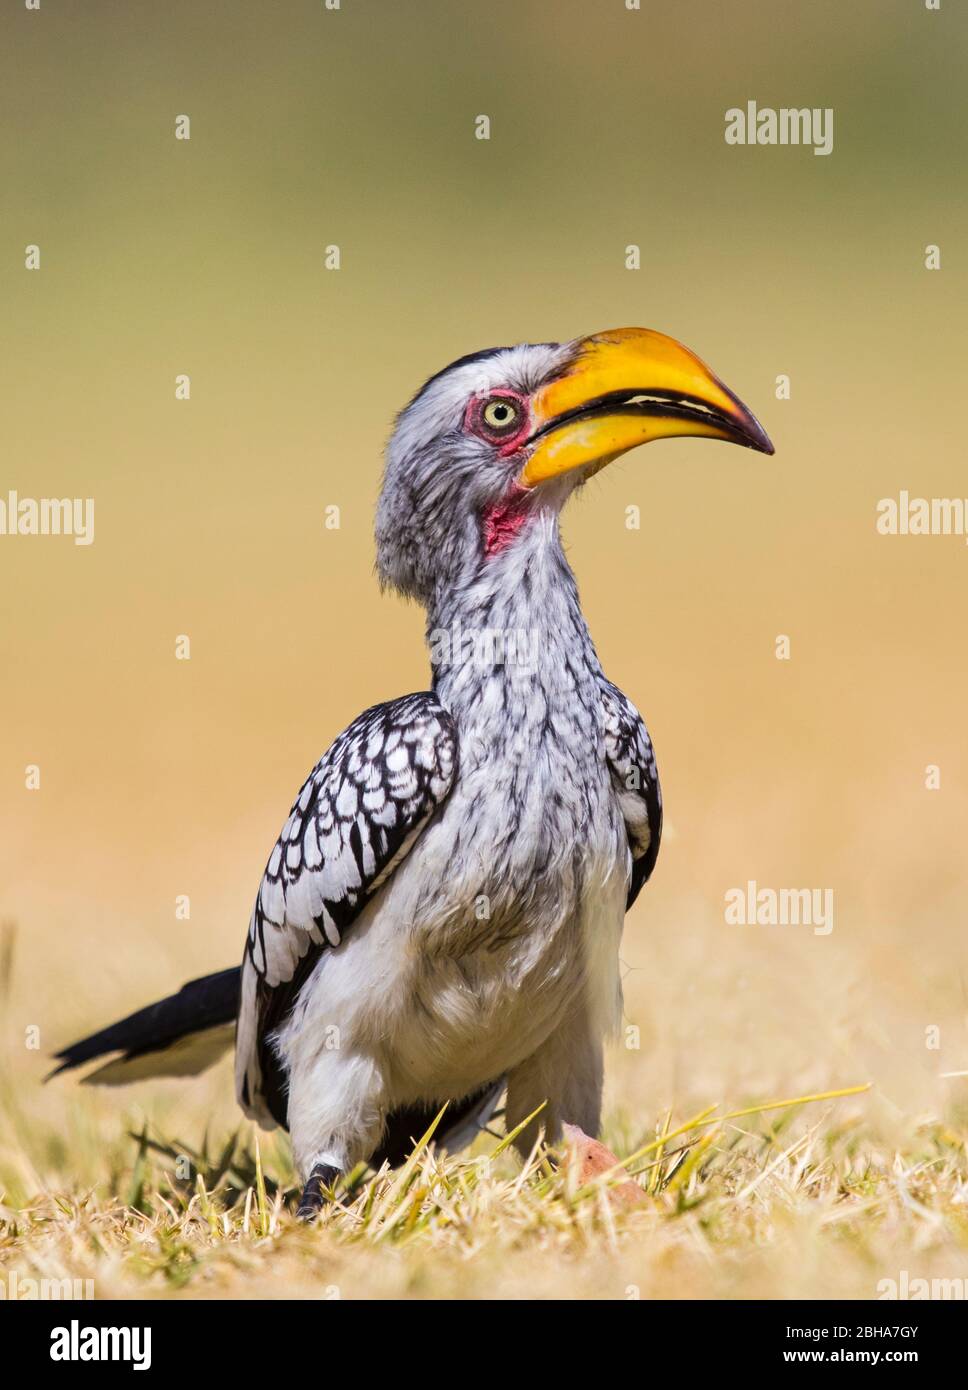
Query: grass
[[157, 1191], [787, 1198]]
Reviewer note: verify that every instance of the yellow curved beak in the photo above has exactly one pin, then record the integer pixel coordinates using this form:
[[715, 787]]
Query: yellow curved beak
[[625, 388]]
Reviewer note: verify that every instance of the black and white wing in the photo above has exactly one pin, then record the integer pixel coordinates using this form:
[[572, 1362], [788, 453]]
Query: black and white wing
[[356, 817], [635, 777]]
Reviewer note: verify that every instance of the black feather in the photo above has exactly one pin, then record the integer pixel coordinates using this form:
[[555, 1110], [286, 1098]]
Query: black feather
[[202, 1003]]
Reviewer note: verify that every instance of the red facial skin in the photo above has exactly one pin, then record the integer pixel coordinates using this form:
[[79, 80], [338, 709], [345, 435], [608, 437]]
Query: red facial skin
[[502, 521]]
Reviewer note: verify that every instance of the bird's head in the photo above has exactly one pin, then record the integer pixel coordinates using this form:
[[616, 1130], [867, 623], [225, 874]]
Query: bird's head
[[501, 438]]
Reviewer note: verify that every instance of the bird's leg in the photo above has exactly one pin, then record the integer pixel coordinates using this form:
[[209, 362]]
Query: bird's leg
[[565, 1073], [323, 1175], [336, 1110]]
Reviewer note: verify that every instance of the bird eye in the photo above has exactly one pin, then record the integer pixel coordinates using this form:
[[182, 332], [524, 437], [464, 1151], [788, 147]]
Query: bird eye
[[500, 414]]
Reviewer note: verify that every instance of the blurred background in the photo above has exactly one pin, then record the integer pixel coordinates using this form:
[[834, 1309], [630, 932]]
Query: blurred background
[[356, 127]]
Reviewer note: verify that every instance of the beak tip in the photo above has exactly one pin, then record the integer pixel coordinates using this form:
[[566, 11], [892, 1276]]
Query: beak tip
[[756, 436], [749, 431]]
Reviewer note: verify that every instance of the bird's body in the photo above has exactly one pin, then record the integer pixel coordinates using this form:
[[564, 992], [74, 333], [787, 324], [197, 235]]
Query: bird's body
[[442, 913], [492, 950]]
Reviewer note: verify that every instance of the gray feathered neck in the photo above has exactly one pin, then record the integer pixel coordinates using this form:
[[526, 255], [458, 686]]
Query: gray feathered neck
[[511, 654]]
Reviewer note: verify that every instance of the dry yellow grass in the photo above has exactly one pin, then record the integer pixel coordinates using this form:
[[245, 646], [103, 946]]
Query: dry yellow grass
[[801, 1201], [138, 1191]]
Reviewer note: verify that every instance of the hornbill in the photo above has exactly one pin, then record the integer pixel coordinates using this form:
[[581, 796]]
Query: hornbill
[[440, 917]]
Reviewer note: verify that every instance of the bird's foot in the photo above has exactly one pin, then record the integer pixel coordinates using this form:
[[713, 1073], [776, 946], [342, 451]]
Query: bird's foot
[[323, 1176], [593, 1159]]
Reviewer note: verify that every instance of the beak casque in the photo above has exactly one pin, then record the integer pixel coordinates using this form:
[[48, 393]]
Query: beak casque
[[626, 387]]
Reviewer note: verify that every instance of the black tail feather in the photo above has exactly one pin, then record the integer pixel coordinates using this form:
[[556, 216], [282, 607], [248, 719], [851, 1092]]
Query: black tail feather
[[203, 1003]]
